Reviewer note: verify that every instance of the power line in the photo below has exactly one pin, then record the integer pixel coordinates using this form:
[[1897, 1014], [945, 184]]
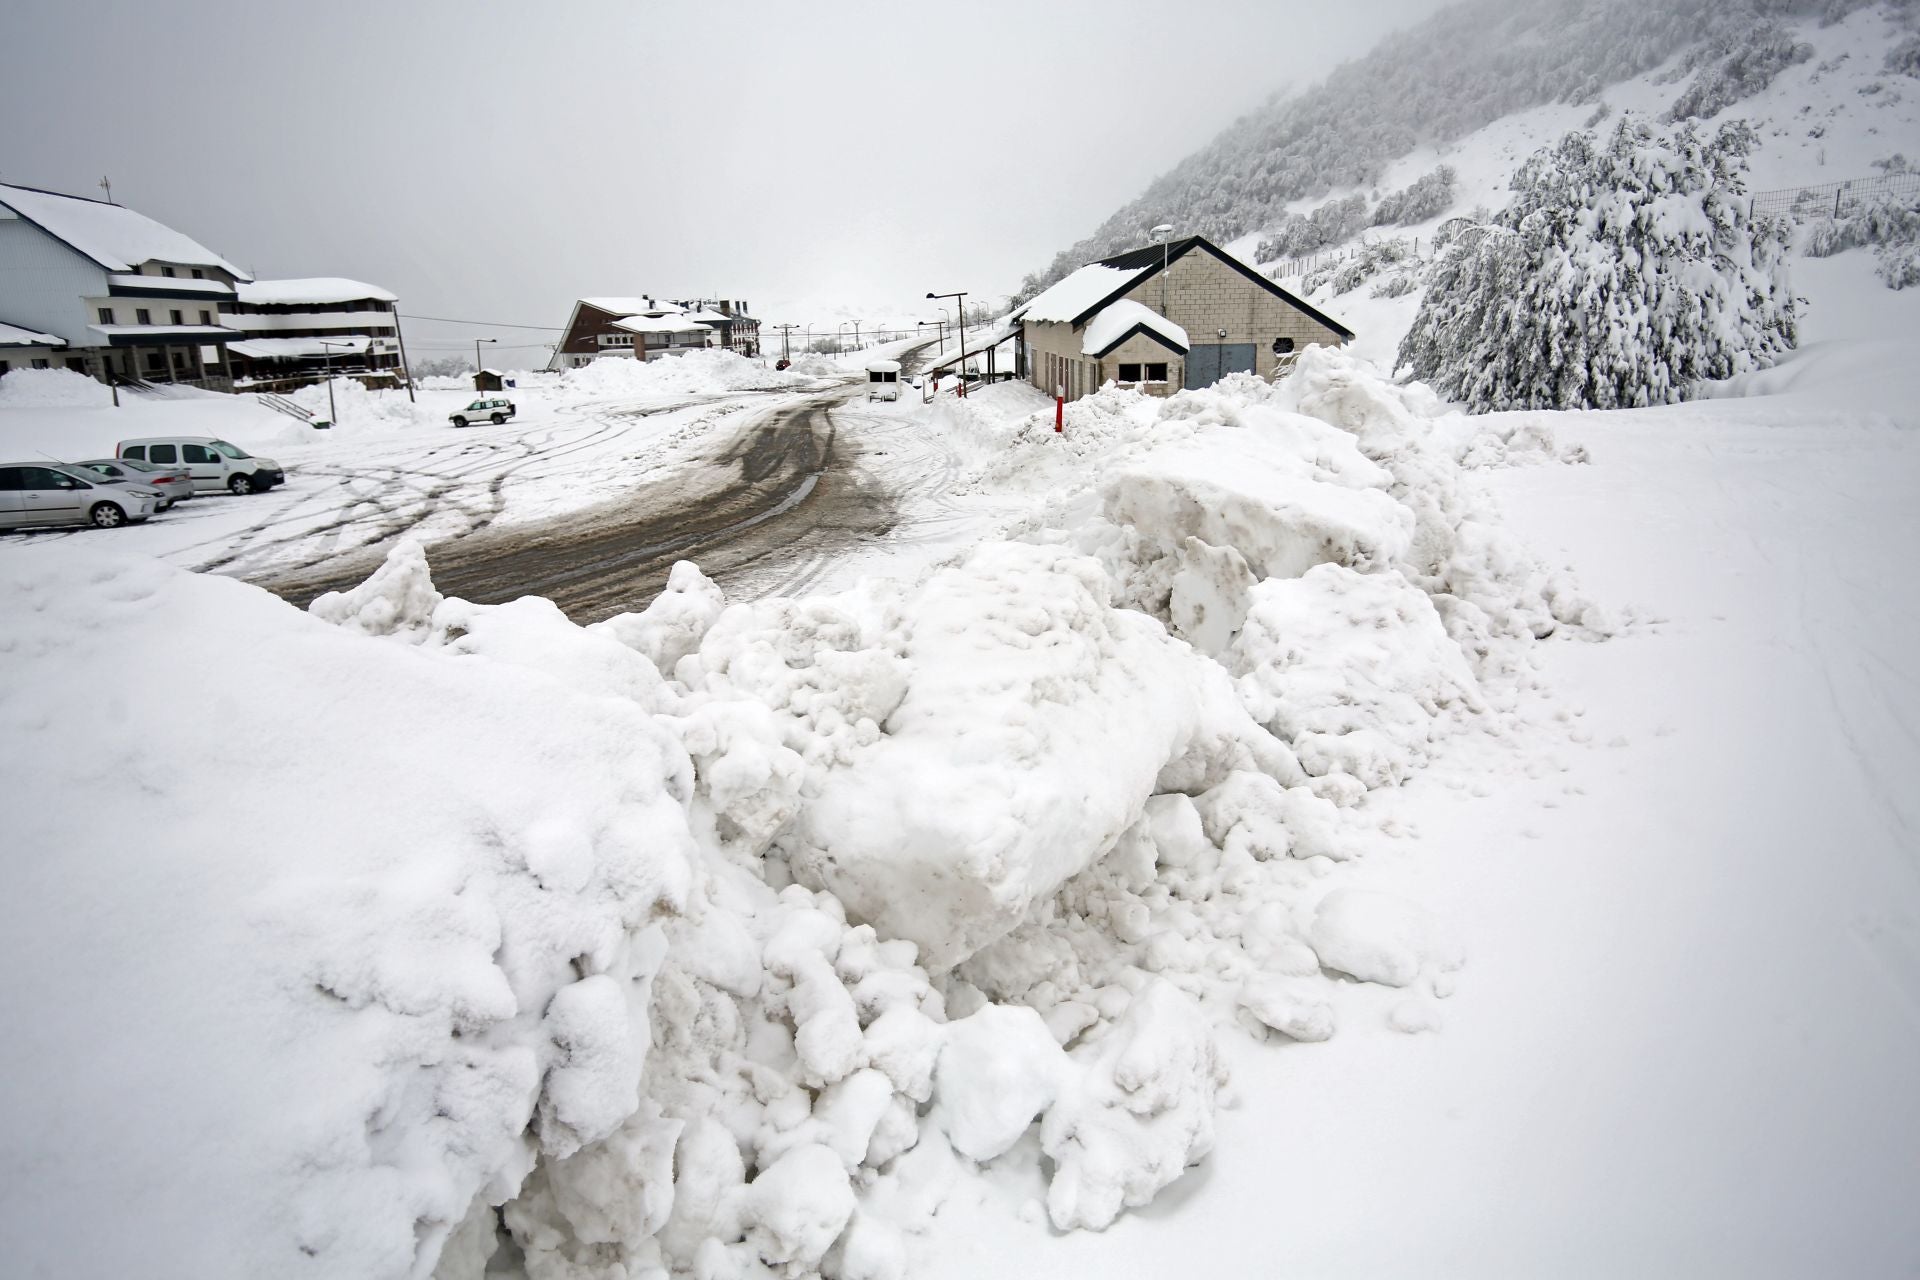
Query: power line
[[491, 324]]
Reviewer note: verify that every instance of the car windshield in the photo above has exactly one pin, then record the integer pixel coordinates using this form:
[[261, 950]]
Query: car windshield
[[231, 450]]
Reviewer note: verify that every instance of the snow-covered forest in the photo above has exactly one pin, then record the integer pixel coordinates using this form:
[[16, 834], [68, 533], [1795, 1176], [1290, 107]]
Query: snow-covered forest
[[1464, 68]]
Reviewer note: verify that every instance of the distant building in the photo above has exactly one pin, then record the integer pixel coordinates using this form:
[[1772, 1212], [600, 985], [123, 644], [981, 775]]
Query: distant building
[[646, 328], [25, 349], [121, 295], [1161, 318], [489, 380], [297, 332]]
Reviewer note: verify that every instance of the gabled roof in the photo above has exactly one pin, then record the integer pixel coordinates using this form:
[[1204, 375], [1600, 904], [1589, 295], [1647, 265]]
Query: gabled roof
[[661, 324], [114, 236], [1120, 320], [1076, 299], [311, 291], [632, 306]]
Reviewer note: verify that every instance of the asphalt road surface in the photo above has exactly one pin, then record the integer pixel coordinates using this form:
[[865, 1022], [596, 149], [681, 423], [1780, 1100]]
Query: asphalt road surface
[[768, 487]]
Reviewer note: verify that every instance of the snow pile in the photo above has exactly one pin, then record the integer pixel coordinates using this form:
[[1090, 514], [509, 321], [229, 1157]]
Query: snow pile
[[721, 939], [711, 370], [52, 389], [359, 410]]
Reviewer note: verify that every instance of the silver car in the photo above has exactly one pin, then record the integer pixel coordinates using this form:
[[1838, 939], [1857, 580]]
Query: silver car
[[39, 493], [169, 484]]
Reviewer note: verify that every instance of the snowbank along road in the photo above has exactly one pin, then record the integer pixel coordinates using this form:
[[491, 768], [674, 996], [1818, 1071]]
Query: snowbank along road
[[761, 506]]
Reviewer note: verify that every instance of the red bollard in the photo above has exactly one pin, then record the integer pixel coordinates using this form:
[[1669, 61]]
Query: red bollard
[[1059, 415]]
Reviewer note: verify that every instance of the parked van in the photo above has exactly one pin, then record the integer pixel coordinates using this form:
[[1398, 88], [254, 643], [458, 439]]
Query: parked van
[[214, 464], [883, 380]]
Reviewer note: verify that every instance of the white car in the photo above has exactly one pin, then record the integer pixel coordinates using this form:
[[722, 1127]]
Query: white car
[[35, 493], [213, 464], [172, 484], [493, 409]]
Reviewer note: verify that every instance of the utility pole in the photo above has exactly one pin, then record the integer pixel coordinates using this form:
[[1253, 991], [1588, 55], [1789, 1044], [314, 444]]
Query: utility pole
[[107, 187], [786, 352], [406, 370]]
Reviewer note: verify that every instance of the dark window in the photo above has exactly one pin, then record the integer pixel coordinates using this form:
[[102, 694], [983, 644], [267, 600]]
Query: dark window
[[10, 480], [175, 318], [136, 451], [162, 453], [46, 478], [206, 317], [156, 362], [106, 315], [198, 274], [167, 271], [4, 366], [1283, 346], [142, 316], [1129, 373], [1156, 373], [194, 453], [40, 362], [77, 363]]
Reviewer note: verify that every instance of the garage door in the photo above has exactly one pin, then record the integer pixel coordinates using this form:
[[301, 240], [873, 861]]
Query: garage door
[[1208, 363]]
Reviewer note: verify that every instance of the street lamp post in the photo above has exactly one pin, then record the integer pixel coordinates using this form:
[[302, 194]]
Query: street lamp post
[[960, 337], [476, 351], [1160, 233], [785, 350], [326, 351], [939, 327], [839, 334]]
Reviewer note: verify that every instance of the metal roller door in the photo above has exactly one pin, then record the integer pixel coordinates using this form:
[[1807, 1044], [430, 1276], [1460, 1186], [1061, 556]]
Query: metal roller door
[[1208, 363]]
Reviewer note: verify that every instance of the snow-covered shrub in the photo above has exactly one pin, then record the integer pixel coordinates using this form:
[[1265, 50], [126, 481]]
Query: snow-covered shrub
[[1898, 266], [1893, 225], [1736, 64], [1904, 58], [1621, 274], [1303, 233], [1426, 197]]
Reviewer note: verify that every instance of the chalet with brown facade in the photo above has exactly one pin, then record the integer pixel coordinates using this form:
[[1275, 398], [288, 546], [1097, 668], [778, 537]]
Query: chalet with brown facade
[[646, 328]]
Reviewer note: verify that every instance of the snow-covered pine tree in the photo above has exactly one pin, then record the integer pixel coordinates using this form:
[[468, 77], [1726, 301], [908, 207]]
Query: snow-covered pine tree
[[1620, 275]]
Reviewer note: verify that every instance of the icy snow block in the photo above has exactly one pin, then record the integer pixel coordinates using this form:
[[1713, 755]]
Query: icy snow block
[[1284, 491], [1380, 937], [1034, 726], [796, 1209], [1000, 1069], [1140, 1113], [398, 599]]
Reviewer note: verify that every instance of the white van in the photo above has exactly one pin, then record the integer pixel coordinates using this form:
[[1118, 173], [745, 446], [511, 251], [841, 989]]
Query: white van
[[214, 464], [883, 380]]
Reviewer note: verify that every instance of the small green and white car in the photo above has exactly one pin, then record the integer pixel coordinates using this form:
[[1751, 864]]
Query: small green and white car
[[489, 409]]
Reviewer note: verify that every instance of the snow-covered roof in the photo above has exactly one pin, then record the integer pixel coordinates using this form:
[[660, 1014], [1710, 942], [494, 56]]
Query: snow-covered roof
[[632, 306], [1118, 319], [311, 291], [114, 236], [661, 324], [290, 348], [1065, 301], [14, 336], [171, 284], [166, 330], [705, 316]]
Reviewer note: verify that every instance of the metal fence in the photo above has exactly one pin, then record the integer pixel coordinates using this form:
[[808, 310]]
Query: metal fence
[[1835, 199]]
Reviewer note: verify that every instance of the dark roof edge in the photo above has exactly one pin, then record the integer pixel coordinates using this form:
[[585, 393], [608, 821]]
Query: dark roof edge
[[1155, 334], [1177, 251]]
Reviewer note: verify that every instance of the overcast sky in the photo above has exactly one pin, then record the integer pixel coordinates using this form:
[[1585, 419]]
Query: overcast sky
[[492, 161]]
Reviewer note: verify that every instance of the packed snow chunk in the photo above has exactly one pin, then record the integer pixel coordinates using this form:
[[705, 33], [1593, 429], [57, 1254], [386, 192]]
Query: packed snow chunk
[[797, 1208], [1035, 724], [1288, 1007], [904, 1044], [1284, 491], [595, 1083], [397, 600], [1380, 937], [826, 1025], [870, 1250], [1000, 1068], [709, 1182], [1210, 595], [1140, 1113], [1355, 671], [614, 1194], [674, 623]]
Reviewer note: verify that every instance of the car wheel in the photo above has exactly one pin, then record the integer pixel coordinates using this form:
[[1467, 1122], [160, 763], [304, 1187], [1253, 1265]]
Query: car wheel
[[106, 516], [459, 422], [499, 418], [241, 486]]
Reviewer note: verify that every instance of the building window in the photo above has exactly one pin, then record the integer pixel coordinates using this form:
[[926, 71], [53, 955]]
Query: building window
[[167, 271], [206, 317], [77, 363], [1283, 346], [4, 366], [1157, 372], [40, 363], [106, 315], [198, 274], [1129, 373], [157, 363], [174, 318], [142, 316]]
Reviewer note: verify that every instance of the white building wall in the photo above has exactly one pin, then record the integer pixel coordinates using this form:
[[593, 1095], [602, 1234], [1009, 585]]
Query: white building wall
[[44, 284]]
